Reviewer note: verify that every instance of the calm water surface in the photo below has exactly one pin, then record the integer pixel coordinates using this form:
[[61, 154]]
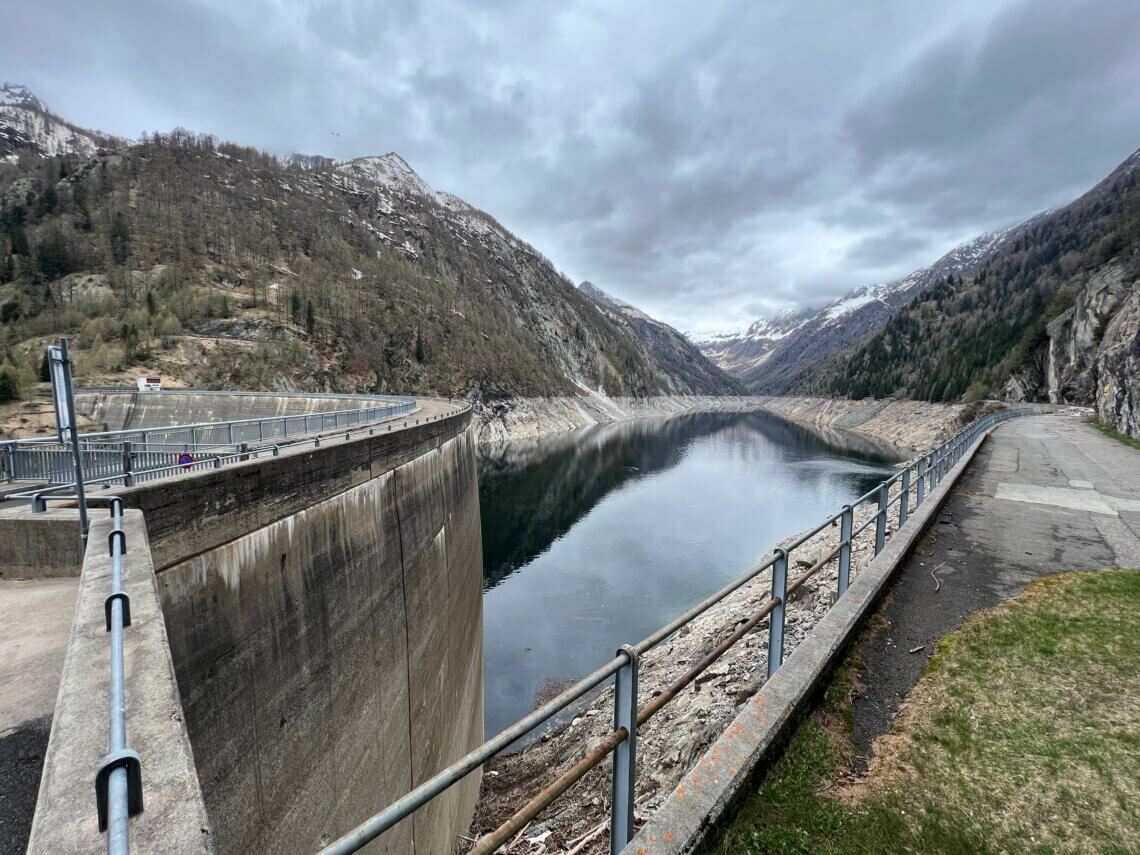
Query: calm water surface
[[595, 538]]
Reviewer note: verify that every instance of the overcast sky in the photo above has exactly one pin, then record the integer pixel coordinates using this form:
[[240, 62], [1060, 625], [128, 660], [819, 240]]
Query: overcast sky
[[710, 162]]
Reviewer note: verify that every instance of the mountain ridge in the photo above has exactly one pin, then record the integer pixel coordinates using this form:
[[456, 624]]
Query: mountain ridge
[[221, 265], [772, 352], [1052, 315]]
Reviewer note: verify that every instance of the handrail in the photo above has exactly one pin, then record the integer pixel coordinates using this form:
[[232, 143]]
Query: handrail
[[395, 406], [926, 467], [127, 463], [213, 461]]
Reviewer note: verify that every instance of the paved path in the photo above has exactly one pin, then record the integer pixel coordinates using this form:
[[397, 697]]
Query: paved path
[[33, 640], [1045, 494]]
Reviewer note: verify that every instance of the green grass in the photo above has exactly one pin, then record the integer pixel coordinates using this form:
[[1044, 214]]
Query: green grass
[[1112, 432], [1023, 735]]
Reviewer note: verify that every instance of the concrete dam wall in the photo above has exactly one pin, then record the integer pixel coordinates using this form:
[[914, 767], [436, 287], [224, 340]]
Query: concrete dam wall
[[324, 612], [130, 410]]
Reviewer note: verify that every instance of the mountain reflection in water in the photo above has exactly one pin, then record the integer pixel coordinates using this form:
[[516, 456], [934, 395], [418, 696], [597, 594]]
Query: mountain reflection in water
[[594, 538]]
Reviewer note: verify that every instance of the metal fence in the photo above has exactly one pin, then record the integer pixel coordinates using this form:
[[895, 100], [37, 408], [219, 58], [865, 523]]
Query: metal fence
[[893, 499], [130, 456]]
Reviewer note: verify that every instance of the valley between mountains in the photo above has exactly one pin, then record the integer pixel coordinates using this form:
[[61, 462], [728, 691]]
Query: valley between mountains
[[220, 266]]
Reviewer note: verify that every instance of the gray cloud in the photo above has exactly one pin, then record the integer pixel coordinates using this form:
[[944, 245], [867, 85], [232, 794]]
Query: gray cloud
[[705, 167]]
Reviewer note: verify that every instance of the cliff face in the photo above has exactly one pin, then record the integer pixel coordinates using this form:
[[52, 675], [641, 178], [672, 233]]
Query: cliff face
[[1094, 352], [1118, 369], [1044, 317]]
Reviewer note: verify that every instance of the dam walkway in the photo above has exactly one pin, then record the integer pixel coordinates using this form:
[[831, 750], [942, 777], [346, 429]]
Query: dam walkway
[[1045, 495]]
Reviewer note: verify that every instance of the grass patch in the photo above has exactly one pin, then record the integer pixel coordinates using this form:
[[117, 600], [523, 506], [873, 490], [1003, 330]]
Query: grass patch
[[1113, 433], [1023, 735]]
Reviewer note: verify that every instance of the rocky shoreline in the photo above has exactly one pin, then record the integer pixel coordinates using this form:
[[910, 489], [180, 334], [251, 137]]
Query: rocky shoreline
[[909, 426]]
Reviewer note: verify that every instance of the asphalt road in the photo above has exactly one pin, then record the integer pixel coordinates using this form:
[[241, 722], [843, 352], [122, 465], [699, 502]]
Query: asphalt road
[[33, 640], [1045, 494]]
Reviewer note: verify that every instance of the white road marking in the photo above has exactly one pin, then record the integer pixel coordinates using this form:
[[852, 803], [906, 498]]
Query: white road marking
[[1084, 485], [1060, 497]]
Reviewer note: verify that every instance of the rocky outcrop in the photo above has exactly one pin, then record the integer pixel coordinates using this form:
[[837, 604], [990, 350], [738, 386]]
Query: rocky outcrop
[[1117, 369], [911, 426], [1094, 351]]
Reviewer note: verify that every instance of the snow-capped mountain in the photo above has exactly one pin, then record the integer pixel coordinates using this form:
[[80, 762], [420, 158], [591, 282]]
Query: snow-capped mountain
[[739, 352], [773, 351], [26, 124]]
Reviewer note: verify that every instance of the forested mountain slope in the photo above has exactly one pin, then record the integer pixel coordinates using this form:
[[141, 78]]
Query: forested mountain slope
[[770, 356], [674, 353], [1054, 315], [219, 265]]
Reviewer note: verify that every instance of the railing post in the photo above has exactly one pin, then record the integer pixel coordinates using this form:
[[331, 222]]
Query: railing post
[[243, 449], [625, 755], [881, 519], [846, 524], [776, 618], [921, 481], [6, 458], [230, 432], [904, 499], [128, 477], [934, 464]]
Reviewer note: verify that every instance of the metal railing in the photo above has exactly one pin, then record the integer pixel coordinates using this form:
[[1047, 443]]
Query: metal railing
[[40, 495], [118, 778], [917, 478], [129, 456]]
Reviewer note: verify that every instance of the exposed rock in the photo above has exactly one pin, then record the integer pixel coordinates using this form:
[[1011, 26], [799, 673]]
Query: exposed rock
[[1117, 369], [1093, 352], [894, 426]]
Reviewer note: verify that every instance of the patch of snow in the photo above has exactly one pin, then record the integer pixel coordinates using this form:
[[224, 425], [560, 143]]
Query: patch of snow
[[357, 274], [20, 96], [388, 170], [856, 299], [43, 130]]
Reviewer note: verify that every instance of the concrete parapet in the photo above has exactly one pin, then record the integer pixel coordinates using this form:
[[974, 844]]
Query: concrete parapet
[[763, 726], [174, 817], [39, 546]]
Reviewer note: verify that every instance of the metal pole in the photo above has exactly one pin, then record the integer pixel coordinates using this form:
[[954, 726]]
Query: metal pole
[[69, 398], [128, 478], [905, 497], [846, 523], [776, 618], [921, 481], [881, 520], [118, 814], [625, 754]]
